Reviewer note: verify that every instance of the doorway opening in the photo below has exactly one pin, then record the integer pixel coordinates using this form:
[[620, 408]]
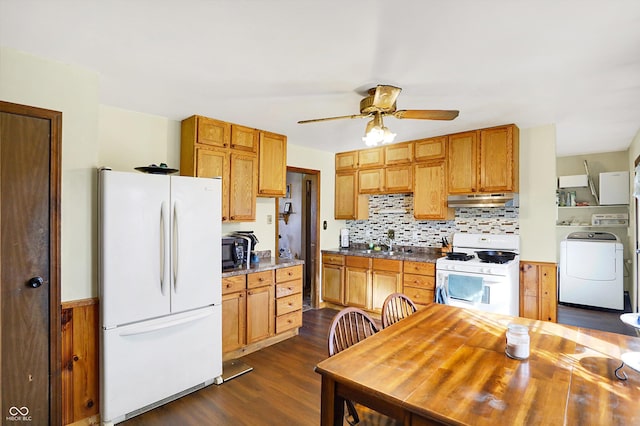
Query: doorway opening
[[298, 226]]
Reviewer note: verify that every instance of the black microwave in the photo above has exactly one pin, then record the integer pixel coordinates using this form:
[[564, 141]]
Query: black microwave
[[234, 252]]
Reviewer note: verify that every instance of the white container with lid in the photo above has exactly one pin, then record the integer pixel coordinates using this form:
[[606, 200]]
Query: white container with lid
[[517, 341]]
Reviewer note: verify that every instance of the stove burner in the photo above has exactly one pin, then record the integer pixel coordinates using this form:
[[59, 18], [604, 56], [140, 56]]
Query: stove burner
[[453, 255], [495, 260]]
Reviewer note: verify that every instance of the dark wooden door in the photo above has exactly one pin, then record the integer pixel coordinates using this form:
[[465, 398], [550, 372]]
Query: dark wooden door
[[29, 284]]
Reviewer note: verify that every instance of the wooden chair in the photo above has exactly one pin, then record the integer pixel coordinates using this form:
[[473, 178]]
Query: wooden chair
[[396, 307], [350, 326]]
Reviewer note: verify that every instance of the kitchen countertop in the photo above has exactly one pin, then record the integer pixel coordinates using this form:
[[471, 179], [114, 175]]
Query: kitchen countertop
[[427, 255], [265, 264]]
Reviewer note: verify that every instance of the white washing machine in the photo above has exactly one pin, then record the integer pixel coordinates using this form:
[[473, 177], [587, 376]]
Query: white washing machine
[[591, 271]]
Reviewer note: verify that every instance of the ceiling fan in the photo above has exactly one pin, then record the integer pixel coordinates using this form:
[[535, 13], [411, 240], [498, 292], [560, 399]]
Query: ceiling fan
[[381, 102]]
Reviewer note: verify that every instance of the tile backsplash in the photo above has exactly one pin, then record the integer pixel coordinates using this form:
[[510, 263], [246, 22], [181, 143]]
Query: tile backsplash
[[395, 212]]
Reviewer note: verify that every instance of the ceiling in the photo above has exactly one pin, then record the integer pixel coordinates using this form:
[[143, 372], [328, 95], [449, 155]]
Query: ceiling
[[268, 64]]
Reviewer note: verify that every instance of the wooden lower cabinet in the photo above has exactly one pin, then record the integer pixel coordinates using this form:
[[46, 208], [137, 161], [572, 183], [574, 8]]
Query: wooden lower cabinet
[[260, 306], [234, 312], [357, 282], [333, 278], [288, 298], [386, 278], [259, 309], [538, 291], [419, 282], [260, 313], [367, 282]]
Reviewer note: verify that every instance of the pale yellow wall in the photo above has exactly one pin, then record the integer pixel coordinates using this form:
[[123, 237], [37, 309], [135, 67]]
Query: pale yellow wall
[[537, 193], [37, 82], [129, 139]]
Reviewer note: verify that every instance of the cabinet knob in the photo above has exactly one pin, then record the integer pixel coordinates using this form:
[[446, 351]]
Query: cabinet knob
[[224, 218]]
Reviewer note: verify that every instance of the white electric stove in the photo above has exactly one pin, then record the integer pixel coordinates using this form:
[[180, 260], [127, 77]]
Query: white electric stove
[[464, 280]]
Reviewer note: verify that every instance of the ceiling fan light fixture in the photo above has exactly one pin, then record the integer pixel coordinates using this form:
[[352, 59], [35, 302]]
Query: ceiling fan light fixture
[[376, 132]]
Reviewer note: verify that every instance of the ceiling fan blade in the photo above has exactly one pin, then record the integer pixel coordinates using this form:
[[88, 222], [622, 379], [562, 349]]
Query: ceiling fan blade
[[426, 114], [333, 118], [385, 96]]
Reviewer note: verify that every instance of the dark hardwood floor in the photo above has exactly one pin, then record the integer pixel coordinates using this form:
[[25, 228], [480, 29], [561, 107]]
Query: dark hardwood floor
[[284, 389], [281, 389]]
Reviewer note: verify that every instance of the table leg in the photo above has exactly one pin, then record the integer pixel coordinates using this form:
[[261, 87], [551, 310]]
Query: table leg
[[331, 405]]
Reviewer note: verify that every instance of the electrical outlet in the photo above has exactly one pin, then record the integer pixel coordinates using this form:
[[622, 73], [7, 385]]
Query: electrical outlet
[[391, 234], [269, 219]]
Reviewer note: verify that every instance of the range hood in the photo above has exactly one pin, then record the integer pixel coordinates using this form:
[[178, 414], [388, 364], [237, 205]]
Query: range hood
[[504, 199]]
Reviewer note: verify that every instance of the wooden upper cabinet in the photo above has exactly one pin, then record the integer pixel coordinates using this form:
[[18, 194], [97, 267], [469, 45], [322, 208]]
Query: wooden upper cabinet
[[272, 165], [371, 181], [372, 157], [484, 161], [399, 153], [243, 186], [398, 179], [215, 163], [430, 149], [213, 132], [430, 191], [462, 163], [244, 138], [498, 157], [348, 203], [347, 161]]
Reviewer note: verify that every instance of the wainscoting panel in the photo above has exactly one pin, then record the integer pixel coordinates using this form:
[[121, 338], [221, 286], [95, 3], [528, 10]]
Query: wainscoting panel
[[80, 358]]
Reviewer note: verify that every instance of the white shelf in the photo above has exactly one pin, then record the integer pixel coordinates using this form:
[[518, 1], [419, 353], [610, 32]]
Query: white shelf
[[612, 206], [592, 226]]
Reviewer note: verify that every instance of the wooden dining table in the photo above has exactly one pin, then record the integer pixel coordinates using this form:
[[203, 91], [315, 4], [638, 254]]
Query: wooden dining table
[[447, 365]]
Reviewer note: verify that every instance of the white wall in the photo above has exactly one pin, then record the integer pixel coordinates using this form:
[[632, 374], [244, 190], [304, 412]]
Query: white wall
[[37, 82], [537, 194]]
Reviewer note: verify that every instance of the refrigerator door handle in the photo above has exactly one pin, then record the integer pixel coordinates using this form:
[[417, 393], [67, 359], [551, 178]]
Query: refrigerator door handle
[[163, 250], [175, 246], [146, 328], [162, 257]]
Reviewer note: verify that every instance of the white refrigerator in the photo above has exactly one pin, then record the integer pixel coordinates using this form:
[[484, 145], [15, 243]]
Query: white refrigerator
[[160, 289]]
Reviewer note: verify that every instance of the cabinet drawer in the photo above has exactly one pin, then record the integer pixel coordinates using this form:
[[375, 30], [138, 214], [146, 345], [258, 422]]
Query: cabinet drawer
[[421, 268], [287, 304], [288, 288], [259, 279], [289, 274], [333, 259], [419, 296], [233, 284], [420, 281], [289, 321], [358, 262], [387, 265]]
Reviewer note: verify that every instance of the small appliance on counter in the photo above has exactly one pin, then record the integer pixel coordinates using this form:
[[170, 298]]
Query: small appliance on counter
[[344, 238], [251, 240], [235, 251]]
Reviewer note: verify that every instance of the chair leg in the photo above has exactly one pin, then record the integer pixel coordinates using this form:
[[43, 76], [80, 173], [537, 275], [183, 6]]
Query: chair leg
[[352, 414]]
